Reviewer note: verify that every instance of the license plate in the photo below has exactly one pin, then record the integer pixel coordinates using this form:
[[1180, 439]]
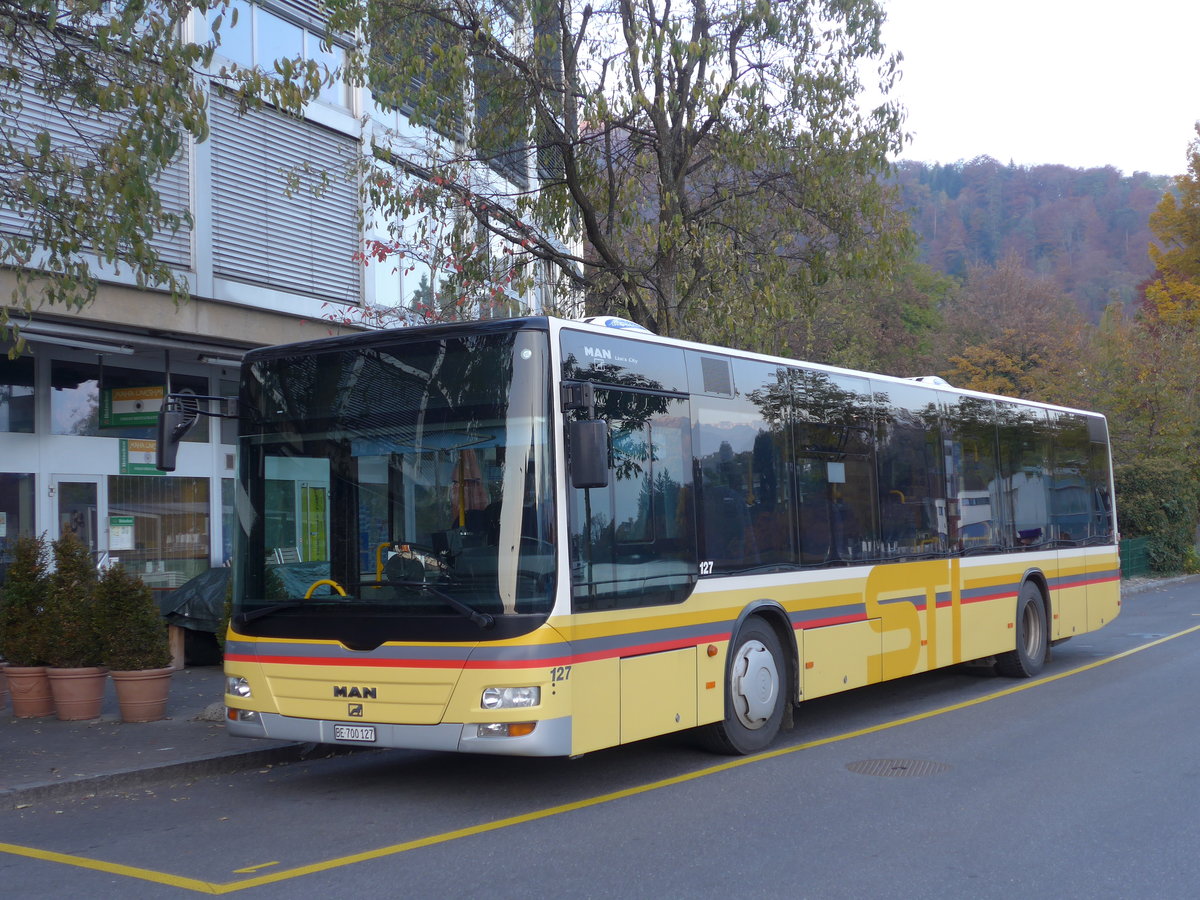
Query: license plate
[[361, 733]]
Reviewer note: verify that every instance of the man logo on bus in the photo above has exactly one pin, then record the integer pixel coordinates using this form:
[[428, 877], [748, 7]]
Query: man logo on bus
[[360, 693], [597, 353]]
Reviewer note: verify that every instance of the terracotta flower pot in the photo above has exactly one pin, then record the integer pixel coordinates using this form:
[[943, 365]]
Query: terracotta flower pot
[[78, 693], [30, 691], [142, 693]]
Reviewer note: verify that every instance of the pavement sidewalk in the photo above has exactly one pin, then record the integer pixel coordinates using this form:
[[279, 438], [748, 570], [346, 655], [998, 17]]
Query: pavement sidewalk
[[45, 759]]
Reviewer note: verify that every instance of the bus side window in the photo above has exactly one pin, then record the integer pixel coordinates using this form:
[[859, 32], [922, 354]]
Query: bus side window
[[742, 453], [1024, 472], [972, 482], [911, 480], [1070, 482], [835, 469]]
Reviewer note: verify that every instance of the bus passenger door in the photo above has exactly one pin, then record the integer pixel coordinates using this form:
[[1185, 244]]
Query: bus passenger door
[[632, 546]]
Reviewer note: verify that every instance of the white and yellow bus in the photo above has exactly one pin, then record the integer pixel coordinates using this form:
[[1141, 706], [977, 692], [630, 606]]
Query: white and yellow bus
[[547, 537]]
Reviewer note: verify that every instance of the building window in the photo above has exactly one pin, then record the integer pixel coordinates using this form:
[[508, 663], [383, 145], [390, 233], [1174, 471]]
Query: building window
[[16, 513], [77, 388], [171, 535], [16, 394], [260, 38], [280, 184]]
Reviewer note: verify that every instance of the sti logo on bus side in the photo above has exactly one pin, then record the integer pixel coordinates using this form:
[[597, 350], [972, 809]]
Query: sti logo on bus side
[[360, 693]]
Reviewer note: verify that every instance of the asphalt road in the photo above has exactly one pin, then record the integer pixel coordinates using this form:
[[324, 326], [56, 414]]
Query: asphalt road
[[1082, 783]]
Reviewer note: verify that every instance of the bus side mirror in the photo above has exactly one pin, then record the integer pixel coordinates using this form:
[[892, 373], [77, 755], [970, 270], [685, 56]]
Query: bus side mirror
[[174, 421], [589, 453]]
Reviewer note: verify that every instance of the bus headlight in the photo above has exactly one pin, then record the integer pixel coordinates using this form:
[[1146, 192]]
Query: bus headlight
[[506, 729], [237, 686], [511, 697]]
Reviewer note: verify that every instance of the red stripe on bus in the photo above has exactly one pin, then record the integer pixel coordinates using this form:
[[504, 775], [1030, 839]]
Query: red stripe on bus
[[832, 620], [1085, 582]]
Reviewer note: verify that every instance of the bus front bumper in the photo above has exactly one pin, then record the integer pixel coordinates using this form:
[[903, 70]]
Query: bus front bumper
[[550, 737]]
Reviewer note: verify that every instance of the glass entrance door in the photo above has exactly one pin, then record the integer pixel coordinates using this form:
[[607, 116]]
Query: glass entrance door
[[78, 509]]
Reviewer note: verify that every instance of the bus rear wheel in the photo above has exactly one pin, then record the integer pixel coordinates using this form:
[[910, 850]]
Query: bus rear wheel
[[1029, 655], [755, 693]]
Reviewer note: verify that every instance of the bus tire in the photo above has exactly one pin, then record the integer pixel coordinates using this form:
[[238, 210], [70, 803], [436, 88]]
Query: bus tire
[[756, 693], [1033, 645]]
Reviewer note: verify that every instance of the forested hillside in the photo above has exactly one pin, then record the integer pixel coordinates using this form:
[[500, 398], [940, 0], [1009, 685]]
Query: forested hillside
[[1086, 230]]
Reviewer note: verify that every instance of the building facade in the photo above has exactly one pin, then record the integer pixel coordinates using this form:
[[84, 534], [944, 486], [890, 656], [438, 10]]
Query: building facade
[[273, 255]]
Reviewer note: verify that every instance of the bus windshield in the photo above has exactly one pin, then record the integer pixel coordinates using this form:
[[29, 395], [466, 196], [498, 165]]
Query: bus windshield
[[400, 490]]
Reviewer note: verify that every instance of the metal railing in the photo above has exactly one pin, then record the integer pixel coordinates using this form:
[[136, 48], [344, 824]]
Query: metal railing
[[1135, 557]]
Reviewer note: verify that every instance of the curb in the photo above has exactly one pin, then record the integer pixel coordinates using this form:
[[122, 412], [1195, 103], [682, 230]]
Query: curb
[[223, 764], [1141, 585]]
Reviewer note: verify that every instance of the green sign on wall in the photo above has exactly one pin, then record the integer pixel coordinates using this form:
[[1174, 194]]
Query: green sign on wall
[[120, 532], [138, 457], [130, 406]]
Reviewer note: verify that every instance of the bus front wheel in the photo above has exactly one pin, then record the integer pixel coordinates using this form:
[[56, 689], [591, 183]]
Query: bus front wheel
[[1029, 655], [755, 693]]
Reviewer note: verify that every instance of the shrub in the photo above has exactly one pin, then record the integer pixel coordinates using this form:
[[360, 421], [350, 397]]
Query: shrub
[[23, 624], [74, 641], [133, 634], [1160, 500]]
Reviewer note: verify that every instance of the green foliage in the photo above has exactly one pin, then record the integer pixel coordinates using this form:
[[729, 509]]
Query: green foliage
[[712, 158], [891, 325], [1160, 500], [70, 608], [1141, 373], [23, 624], [97, 99], [133, 634]]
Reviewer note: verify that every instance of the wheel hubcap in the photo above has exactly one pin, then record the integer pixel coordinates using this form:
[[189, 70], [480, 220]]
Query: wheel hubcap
[[755, 684], [1033, 630]]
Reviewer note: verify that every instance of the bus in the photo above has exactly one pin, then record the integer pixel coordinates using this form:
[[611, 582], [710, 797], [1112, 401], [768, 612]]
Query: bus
[[546, 537]]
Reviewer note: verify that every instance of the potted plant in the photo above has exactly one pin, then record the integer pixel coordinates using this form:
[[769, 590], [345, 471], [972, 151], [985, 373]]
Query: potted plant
[[77, 679], [134, 643], [23, 627]]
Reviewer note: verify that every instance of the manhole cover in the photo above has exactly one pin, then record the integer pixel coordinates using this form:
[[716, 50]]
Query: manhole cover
[[897, 768]]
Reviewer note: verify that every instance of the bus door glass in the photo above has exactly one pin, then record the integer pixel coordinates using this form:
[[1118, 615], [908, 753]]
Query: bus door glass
[[633, 542]]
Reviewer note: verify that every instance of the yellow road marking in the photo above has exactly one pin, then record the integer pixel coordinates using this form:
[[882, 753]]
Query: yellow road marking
[[251, 869], [82, 862], [208, 887]]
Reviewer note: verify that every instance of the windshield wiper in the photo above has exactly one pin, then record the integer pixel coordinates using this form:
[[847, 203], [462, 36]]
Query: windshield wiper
[[243, 618], [482, 619]]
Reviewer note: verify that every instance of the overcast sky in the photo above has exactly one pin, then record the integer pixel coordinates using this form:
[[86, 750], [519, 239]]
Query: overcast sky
[[1078, 82]]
